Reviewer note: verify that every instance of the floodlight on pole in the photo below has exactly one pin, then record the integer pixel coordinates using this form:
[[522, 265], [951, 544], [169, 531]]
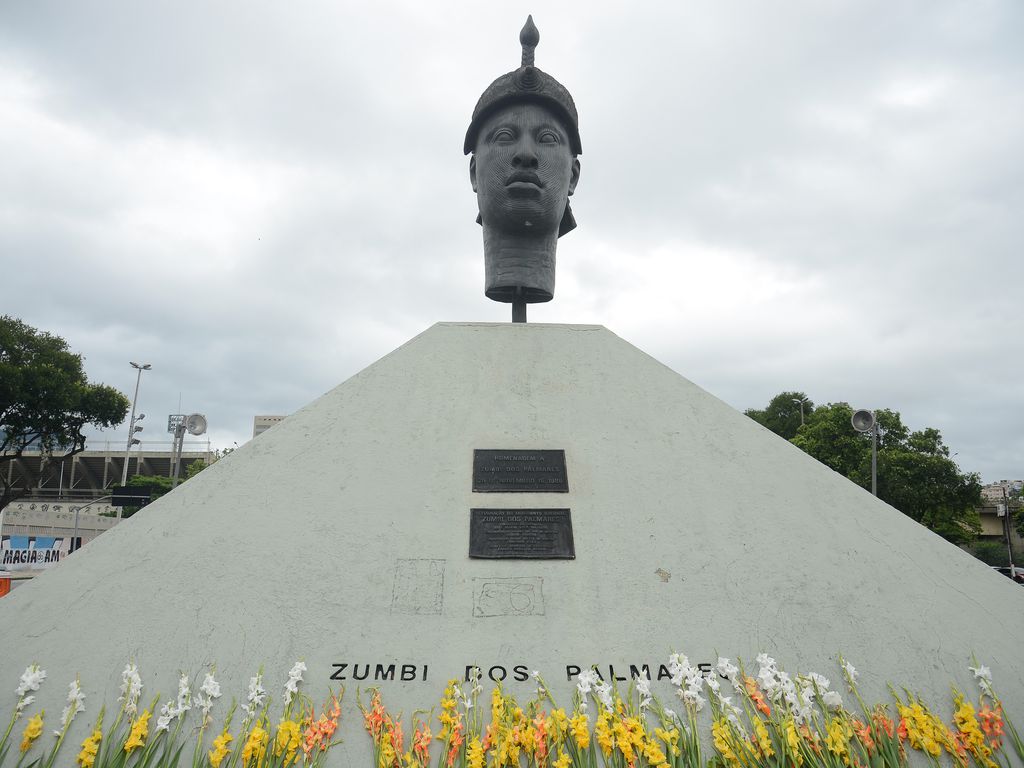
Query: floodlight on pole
[[132, 440], [801, 401], [864, 421], [195, 425]]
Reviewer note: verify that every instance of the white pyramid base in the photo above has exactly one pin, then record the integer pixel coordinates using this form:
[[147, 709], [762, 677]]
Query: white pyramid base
[[341, 536]]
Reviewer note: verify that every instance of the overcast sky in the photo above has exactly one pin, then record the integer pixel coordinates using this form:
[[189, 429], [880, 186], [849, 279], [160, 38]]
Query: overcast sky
[[260, 199]]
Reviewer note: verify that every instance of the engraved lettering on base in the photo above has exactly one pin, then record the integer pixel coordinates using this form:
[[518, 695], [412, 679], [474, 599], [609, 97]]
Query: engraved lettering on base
[[524, 534], [517, 596], [419, 587], [519, 471]]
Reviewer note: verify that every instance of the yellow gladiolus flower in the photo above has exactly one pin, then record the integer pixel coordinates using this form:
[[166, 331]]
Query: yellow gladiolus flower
[[793, 740], [90, 747], [139, 732], [289, 737], [764, 742], [579, 724], [671, 739], [255, 746], [562, 761], [475, 754], [654, 754], [603, 732], [561, 724], [837, 739], [33, 728], [971, 736], [497, 705], [220, 749], [720, 735]]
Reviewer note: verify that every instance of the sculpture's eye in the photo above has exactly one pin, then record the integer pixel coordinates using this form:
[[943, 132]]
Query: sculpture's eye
[[503, 134], [548, 137]]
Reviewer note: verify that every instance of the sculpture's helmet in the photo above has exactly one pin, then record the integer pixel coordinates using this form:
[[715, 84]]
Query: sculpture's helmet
[[529, 84]]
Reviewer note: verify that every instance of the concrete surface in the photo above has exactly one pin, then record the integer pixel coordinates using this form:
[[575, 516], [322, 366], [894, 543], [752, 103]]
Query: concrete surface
[[695, 529]]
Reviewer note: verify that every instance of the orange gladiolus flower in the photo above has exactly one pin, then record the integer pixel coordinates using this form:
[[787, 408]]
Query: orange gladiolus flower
[[455, 741], [992, 724], [756, 696], [863, 732], [421, 743]]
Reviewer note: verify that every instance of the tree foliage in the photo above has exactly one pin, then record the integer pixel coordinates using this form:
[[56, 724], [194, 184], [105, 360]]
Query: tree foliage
[[991, 553], [915, 473], [782, 415], [160, 485], [46, 400]]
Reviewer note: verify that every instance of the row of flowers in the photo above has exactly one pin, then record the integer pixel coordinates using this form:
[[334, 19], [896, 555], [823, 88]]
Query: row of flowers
[[769, 718], [134, 739]]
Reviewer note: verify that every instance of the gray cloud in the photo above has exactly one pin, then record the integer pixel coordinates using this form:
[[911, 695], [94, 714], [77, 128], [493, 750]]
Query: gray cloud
[[263, 199]]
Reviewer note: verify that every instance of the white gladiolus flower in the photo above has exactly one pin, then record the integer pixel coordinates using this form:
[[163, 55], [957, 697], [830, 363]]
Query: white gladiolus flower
[[732, 713], [832, 700], [208, 691], [210, 686], [603, 691], [31, 679], [184, 703], [256, 695], [294, 678], [23, 702], [643, 688], [643, 685], [851, 673], [984, 677], [669, 714], [175, 708], [163, 722], [131, 689], [587, 680], [691, 697], [729, 671], [76, 704], [814, 679]]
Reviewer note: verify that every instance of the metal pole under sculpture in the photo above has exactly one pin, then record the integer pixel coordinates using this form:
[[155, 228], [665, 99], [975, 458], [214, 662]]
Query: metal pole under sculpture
[[524, 140]]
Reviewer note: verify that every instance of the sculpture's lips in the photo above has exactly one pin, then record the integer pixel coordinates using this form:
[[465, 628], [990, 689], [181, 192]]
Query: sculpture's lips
[[524, 177]]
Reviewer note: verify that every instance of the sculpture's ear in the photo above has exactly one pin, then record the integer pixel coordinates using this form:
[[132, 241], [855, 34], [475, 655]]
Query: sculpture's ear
[[574, 177], [472, 171]]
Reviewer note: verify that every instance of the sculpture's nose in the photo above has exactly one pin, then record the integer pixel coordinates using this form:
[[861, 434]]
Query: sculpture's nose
[[526, 154]]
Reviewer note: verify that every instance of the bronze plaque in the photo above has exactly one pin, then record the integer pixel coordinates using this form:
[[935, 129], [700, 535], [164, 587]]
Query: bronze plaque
[[519, 471], [521, 534]]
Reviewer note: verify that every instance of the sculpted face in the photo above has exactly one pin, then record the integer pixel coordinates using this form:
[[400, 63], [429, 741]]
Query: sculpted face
[[523, 170]]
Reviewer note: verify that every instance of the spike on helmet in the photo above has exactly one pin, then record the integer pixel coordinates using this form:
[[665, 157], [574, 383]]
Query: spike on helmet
[[527, 84]]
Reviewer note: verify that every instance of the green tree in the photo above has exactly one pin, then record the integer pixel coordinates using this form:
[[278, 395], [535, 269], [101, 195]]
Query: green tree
[[782, 415], [991, 553], [45, 400], [160, 485], [915, 472], [1016, 505]]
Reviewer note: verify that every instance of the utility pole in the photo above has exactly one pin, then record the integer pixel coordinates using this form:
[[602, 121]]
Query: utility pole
[[1006, 531]]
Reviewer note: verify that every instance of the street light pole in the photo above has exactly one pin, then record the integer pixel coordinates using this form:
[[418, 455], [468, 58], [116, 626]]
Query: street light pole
[[801, 409], [131, 425], [864, 421], [1006, 530], [874, 458]]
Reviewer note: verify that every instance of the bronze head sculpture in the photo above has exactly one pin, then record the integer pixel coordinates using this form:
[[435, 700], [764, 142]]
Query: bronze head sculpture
[[524, 138]]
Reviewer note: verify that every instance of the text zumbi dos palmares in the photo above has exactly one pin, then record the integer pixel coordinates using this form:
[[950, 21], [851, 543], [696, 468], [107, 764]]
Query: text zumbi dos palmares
[[397, 671]]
